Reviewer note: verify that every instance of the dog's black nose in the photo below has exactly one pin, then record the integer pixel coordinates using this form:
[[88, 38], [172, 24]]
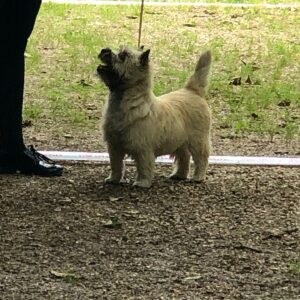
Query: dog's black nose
[[104, 53]]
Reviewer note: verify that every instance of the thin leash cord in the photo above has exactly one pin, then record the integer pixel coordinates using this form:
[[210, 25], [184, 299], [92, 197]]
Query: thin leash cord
[[141, 23]]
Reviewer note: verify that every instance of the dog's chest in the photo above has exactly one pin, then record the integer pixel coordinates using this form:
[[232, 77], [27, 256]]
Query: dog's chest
[[113, 116], [116, 130], [117, 120]]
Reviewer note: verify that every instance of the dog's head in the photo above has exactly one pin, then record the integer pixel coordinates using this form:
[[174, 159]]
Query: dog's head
[[123, 69]]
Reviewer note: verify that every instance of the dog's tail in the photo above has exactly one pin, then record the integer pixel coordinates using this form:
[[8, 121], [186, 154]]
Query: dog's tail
[[199, 80]]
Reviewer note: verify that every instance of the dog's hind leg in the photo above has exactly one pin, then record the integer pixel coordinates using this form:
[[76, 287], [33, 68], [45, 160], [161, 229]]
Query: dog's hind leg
[[145, 168], [200, 154], [182, 164], [116, 157]]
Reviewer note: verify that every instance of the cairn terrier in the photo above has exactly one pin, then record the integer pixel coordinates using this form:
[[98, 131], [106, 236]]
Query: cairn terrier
[[143, 126]]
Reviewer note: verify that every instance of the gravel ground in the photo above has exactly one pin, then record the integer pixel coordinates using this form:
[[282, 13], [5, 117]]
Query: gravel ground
[[233, 237], [236, 236]]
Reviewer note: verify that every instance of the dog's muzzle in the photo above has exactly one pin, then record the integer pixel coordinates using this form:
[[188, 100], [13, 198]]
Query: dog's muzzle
[[105, 56]]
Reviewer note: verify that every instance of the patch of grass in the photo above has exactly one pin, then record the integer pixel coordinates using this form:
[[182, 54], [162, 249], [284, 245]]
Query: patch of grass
[[261, 46], [32, 111], [68, 277], [295, 267], [236, 1]]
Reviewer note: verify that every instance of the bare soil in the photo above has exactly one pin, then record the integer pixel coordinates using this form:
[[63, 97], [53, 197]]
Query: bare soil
[[233, 237]]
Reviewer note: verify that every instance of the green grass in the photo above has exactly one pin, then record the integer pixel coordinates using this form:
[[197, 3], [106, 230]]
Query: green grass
[[260, 44], [295, 267], [234, 1]]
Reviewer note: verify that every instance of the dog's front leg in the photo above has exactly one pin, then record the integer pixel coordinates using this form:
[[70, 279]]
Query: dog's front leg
[[145, 167], [116, 156]]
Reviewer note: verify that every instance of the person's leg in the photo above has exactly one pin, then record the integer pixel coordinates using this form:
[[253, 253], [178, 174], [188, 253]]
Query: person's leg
[[17, 20]]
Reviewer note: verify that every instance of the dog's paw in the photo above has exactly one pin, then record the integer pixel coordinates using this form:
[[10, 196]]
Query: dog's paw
[[197, 179], [177, 177], [111, 180], [142, 183]]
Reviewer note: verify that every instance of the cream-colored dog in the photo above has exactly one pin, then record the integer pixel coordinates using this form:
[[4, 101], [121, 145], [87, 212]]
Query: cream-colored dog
[[139, 124]]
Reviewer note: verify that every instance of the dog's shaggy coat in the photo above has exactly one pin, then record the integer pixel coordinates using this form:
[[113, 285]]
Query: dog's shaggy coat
[[139, 124]]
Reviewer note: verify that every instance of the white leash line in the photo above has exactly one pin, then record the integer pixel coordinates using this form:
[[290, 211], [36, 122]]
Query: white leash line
[[213, 160], [196, 4]]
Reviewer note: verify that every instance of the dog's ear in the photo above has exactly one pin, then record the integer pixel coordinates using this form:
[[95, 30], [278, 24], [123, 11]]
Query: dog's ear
[[144, 58]]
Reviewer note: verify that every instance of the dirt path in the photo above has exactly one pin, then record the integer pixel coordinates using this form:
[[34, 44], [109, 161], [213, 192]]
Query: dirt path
[[233, 237]]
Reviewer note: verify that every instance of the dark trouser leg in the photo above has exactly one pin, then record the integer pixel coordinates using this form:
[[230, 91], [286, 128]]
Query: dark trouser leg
[[17, 19]]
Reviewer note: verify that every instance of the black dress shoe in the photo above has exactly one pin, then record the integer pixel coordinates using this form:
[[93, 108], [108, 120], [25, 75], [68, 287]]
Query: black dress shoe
[[29, 162]]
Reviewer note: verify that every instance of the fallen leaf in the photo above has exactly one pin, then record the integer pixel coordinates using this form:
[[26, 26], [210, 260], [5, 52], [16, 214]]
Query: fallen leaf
[[192, 278], [27, 123], [209, 12], [132, 212], [91, 107], [234, 16], [224, 126], [189, 25], [153, 13], [62, 274], [283, 152], [254, 66], [243, 62], [248, 80], [83, 83], [112, 223], [236, 81], [115, 199], [27, 55], [284, 103], [171, 188]]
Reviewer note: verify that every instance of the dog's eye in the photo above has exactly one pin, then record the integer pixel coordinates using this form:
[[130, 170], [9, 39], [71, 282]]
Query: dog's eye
[[122, 55]]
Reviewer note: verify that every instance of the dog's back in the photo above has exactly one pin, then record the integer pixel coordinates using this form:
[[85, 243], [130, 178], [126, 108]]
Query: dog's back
[[189, 101]]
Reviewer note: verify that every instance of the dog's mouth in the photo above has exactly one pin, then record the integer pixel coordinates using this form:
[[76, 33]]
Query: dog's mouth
[[106, 57], [106, 69]]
